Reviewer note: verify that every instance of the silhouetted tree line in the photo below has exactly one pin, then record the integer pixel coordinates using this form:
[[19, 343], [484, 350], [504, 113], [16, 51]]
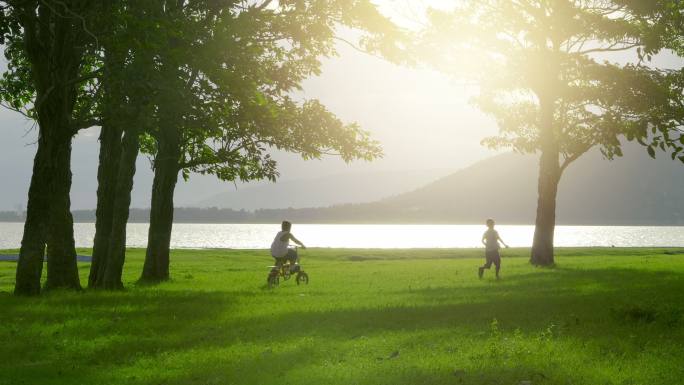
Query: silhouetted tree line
[[11, 216], [374, 213]]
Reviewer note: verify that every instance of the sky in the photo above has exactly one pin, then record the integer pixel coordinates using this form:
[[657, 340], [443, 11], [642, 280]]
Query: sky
[[423, 120]]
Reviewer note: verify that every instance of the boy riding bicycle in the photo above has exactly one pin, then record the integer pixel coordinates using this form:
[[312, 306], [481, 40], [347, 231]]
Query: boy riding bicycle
[[280, 249]]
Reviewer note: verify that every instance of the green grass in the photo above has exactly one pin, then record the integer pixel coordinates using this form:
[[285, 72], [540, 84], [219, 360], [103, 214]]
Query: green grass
[[602, 316]]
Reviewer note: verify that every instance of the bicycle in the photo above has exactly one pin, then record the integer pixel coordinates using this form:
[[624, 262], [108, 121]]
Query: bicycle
[[285, 270]]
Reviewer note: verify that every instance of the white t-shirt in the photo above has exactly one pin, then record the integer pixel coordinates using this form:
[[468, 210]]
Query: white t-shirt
[[278, 247], [491, 238]]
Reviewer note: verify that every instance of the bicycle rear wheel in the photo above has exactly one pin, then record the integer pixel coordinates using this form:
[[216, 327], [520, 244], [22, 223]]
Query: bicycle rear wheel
[[302, 278]]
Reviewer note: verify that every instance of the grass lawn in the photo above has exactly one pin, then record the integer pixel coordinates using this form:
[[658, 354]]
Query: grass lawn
[[602, 316]]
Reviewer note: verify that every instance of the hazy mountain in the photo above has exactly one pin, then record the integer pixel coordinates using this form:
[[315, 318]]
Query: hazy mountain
[[634, 189], [323, 191]]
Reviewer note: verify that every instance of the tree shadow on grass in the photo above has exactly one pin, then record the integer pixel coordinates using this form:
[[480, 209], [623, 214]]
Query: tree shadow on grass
[[578, 306], [80, 335], [307, 366], [575, 300], [581, 306]]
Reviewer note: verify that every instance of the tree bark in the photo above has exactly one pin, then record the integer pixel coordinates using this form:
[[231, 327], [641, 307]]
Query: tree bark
[[126, 108], [156, 268], [61, 249], [32, 252], [110, 157], [114, 114], [549, 176], [112, 277], [167, 161], [48, 215], [55, 52]]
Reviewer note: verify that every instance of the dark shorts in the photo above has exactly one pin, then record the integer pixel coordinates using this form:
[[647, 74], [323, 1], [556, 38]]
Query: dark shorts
[[492, 256], [291, 257]]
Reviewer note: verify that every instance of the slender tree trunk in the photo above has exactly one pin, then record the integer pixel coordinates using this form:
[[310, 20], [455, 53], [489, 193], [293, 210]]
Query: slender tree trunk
[[134, 117], [166, 169], [112, 278], [127, 107], [32, 252], [156, 268], [114, 114], [61, 249], [110, 157], [549, 176]]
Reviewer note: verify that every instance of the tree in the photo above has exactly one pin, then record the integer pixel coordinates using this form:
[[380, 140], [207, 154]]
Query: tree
[[112, 93], [125, 108], [47, 67], [223, 99], [542, 76]]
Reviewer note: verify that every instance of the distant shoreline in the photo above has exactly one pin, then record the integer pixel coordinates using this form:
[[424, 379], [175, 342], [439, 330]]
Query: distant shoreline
[[435, 223], [359, 214], [200, 221]]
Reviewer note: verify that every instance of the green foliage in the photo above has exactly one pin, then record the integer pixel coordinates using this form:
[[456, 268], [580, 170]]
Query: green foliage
[[390, 317], [662, 24], [525, 51], [224, 71], [18, 83], [9, 24], [227, 75]]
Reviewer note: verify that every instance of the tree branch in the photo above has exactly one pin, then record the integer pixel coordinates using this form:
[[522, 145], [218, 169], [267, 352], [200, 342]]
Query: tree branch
[[574, 156], [84, 123], [9, 107], [357, 48], [86, 77]]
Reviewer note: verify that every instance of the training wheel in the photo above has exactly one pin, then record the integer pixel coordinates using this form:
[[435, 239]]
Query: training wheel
[[272, 281]]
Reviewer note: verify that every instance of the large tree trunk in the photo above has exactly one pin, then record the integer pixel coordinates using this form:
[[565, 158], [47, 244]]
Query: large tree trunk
[[545, 224], [549, 176], [32, 252], [166, 168], [61, 249], [112, 277], [110, 157], [48, 215], [55, 52]]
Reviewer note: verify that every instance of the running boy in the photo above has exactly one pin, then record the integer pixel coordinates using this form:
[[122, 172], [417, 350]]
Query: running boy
[[279, 248], [490, 239]]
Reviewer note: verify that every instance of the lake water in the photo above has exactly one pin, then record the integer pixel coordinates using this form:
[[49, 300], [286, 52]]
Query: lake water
[[259, 236]]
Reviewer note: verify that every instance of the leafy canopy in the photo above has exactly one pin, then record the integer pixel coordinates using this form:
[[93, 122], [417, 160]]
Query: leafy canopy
[[523, 52], [229, 70], [29, 33]]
